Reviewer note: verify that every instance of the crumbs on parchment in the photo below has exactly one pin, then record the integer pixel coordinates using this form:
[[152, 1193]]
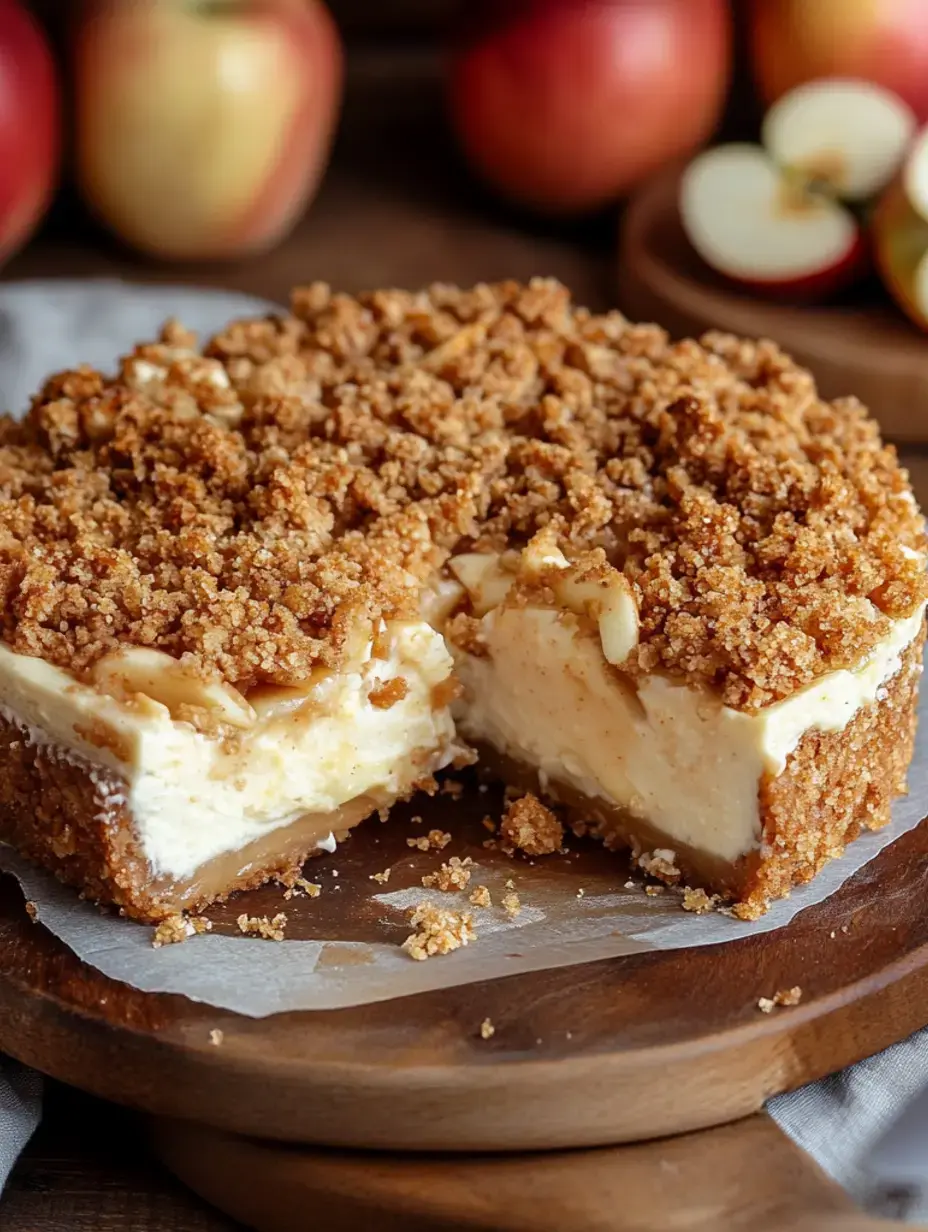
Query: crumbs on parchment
[[480, 896], [529, 826], [216, 1037], [263, 927], [785, 996], [487, 1030], [510, 901], [453, 875], [177, 928], [435, 840], [32, 910], [698, 901], [438, 931], [381, 878]]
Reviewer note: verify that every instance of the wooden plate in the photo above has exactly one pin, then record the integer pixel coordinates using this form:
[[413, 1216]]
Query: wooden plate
[[602, 1053], [862, 346]]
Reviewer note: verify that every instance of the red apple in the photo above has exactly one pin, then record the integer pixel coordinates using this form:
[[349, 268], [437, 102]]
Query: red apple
[[30, 127], [760, 229], [565, 105], [203, 130], [884, 41]]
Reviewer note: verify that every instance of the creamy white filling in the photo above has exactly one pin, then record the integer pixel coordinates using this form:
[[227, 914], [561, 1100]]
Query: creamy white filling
[[194, 797], [668, 753]]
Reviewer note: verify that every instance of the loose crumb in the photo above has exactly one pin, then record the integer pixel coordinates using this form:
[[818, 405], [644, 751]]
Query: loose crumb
[[480, 897], [581, 892], [216, 1037], [383, 877], [529, 826], [438, 931], [785, 996], [32, 910], [489, 824], [454, 875], [453, 788], [435, 840], [631, 885], [660, 863], [177, 928], [653, 891], [698, 901], [487, 1030], [511, 904], [261, 926], [310, 889]]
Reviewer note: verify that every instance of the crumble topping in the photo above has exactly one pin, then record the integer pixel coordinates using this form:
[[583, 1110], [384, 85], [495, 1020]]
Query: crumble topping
[[438, 931], [698, 901], [387, 694], [487, 1030], [381, 878], [480, 896], [245, 509], [511, 903], [531, 827], [660, 864]]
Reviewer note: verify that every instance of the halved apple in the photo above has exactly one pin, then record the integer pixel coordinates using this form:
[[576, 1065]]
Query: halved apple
[[766, 230], [900, 241], [848, 138]]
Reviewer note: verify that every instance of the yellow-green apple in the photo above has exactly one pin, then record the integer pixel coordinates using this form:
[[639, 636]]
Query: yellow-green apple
[[900, 243], [773, 217], [884, 41], [203, 127], [30, 125], [565, 104]]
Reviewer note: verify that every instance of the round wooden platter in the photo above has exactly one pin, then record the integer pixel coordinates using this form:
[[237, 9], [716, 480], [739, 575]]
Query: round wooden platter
[[862, 346], [616, 1051]]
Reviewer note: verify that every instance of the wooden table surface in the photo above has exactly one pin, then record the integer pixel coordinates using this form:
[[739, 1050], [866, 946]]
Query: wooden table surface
[[396, 208]]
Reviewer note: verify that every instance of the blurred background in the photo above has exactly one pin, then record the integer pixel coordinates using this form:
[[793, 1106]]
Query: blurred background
[[254, 144]]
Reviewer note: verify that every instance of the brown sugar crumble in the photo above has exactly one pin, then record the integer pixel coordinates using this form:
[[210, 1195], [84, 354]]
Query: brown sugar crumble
[[387, 694], [529, 826], [435, 840], [382, 878], [480, 896], [32, 910], [178, 928], [263, 927], [511, 903], [438, 931], [660, 864], [785, 997], [698, 901], [487, 1030], [245, 510], [453, 875], [302, 887]]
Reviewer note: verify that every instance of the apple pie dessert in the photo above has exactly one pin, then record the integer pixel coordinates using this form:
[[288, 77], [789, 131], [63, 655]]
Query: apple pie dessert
[[254, 591]]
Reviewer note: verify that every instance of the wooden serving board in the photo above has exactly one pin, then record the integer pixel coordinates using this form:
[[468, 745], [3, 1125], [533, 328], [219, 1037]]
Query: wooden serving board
[[863, 345], [603, 1053]]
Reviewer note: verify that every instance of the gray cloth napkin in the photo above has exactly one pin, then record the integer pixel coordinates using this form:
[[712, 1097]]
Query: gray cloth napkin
[[842, 1121]]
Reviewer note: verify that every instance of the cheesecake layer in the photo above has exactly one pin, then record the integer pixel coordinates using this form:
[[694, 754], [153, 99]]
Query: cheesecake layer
[[287, 766]]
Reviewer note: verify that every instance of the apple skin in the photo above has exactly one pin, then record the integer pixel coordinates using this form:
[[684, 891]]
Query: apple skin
[[565, 104], [900, 241], [202, 133], [813, 288], [30, 126], [883, 41]]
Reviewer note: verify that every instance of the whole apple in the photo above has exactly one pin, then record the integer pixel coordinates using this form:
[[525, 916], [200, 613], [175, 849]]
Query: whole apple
[[884, 41], [203, 129], [565, 104], [30, 125]]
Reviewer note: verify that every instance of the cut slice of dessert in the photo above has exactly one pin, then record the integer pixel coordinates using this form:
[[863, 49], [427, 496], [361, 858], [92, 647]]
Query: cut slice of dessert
[[683, 595]]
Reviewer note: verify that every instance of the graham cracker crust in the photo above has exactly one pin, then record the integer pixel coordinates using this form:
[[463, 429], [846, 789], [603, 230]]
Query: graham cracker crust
[[72, 818]]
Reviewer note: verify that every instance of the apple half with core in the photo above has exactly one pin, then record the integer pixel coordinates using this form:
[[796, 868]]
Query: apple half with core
[[773, 218], [758, 227]]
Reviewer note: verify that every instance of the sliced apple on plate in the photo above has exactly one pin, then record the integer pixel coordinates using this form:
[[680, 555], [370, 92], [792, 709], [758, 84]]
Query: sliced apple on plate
[[760, 228], [773, 218]]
